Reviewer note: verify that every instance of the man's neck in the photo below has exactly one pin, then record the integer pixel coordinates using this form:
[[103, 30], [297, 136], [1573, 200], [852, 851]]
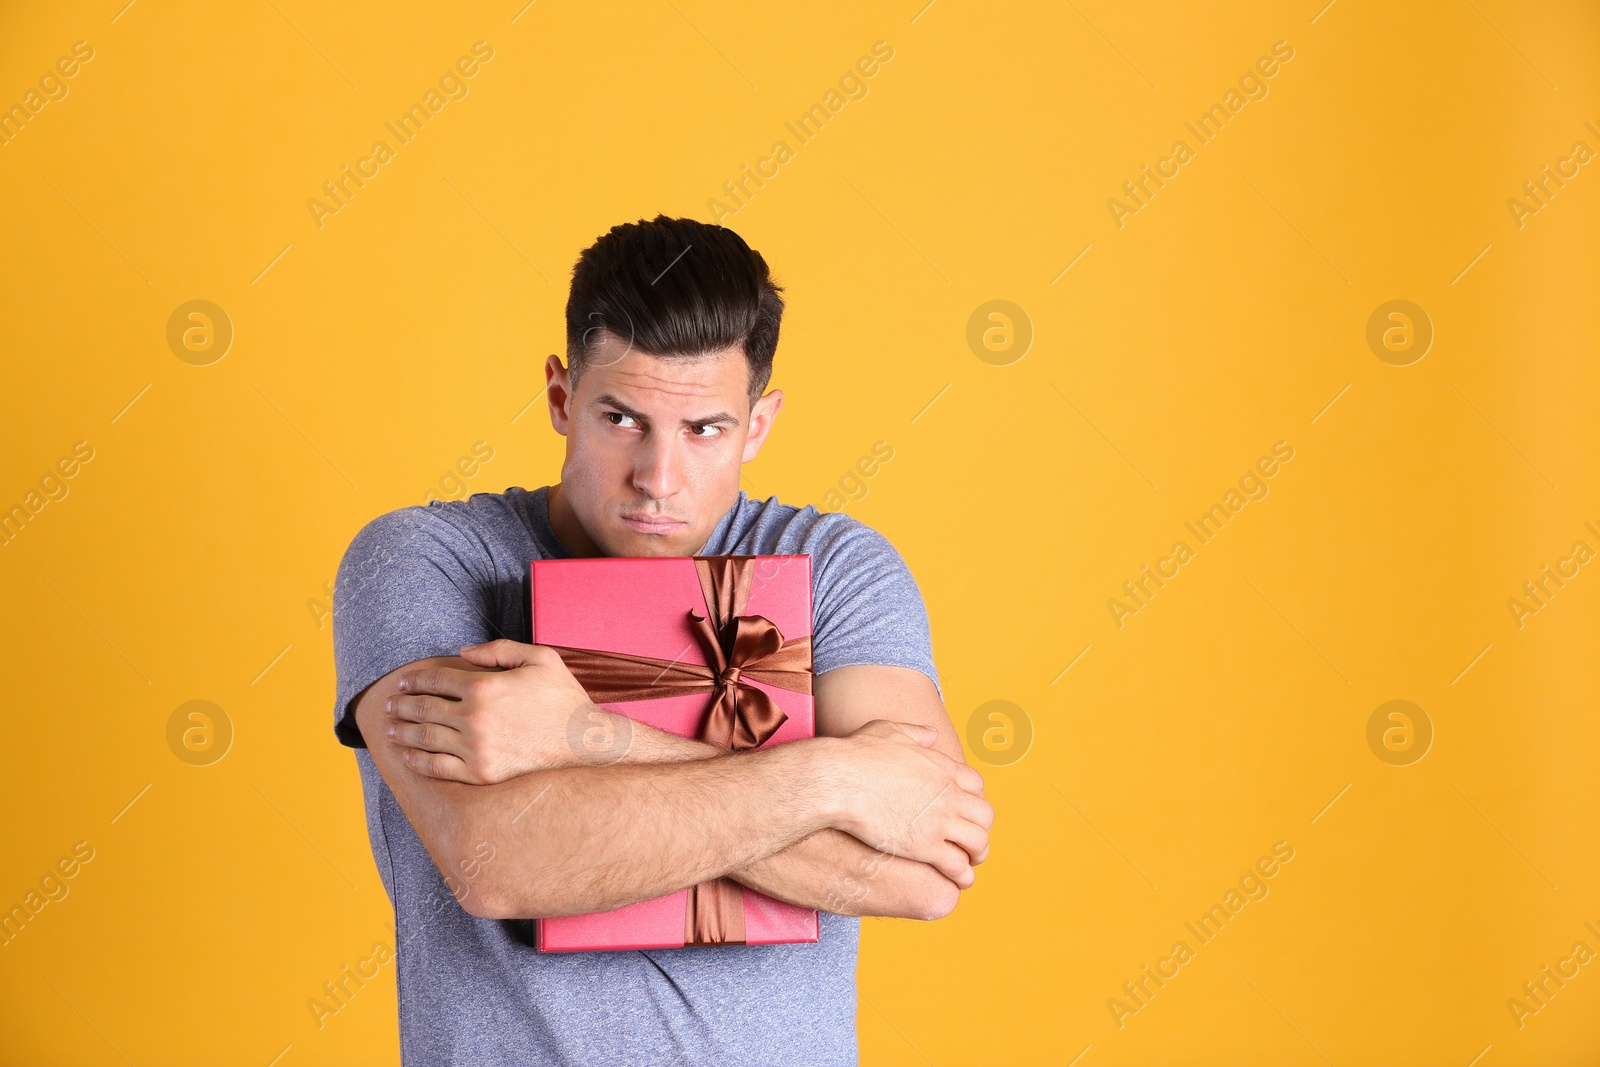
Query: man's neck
[[569, 531]]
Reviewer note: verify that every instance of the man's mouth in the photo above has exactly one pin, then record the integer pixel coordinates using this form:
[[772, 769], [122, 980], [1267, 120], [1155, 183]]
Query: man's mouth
[[653, 524]]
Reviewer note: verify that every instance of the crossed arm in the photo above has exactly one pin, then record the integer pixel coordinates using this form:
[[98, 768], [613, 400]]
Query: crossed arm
[[877, 816]]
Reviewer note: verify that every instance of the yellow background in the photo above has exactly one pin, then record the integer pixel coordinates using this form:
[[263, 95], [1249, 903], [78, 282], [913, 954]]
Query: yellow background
[[370, 355]]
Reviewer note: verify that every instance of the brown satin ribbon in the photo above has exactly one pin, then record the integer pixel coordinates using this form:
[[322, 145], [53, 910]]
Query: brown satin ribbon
[[738, 648]]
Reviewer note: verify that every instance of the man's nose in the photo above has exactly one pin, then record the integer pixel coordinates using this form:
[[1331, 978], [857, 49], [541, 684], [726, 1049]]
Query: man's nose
[[658, 468]]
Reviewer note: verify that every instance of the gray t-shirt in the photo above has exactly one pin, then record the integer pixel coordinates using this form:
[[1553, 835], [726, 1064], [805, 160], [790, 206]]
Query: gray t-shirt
[[424, 581]]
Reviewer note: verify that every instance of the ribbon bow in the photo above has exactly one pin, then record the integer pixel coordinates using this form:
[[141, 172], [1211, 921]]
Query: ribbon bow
[[748, 647], [739, 649]]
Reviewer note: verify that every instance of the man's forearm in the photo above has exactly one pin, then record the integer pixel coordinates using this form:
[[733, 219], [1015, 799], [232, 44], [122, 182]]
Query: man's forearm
[[832, 871], [581, 839], [828, 870]]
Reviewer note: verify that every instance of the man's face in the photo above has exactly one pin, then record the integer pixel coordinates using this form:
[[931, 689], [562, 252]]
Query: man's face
[[654, 446]]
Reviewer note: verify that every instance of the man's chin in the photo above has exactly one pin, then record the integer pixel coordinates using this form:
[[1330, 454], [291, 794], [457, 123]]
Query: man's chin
[[631, 542]]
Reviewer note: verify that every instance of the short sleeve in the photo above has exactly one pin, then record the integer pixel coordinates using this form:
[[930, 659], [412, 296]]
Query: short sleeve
[[411, 585], [867, 608]]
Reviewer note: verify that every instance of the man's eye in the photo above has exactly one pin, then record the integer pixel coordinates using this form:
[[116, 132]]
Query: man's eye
[[706, 431], [619, 419]]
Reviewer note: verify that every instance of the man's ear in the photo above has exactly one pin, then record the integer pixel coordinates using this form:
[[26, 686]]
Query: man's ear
[[558, 393], [762, 415]]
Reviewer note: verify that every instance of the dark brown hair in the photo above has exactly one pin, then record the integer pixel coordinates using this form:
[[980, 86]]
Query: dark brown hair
[[675, 289]]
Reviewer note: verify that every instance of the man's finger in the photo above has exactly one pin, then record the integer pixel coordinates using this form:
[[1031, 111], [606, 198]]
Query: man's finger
[[440, 681], [414, 708], [502, 653], [436, 765], [952, 862], [897, 731], [971, 839], [428, 737], [975, 810]]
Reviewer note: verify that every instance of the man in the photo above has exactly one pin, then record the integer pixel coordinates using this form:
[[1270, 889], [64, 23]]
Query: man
[[487, 808]]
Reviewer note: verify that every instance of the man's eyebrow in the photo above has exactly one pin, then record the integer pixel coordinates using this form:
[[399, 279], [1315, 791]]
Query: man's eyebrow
[[607, 400]]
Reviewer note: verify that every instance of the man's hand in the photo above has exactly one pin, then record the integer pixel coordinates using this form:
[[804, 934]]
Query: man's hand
[[508, 716], [908, 799]]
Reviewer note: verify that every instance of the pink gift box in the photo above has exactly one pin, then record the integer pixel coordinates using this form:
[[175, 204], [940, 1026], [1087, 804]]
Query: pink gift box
[[641, 607]]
